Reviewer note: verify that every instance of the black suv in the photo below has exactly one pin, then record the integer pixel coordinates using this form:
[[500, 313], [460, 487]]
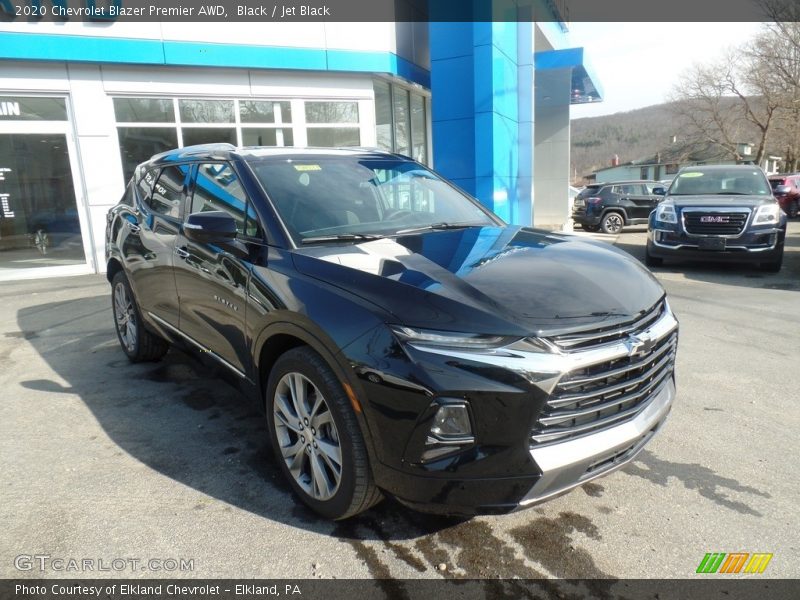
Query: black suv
[[608, 207], [399, 337], [718, 213]]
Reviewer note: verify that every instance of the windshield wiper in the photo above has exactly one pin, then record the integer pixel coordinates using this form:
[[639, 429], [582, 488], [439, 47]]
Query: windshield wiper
[[440, 226], [342, 237]]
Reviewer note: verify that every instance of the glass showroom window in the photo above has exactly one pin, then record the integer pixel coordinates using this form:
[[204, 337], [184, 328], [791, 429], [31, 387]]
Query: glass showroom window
[[401, 121], [261, 123], [146, 126], [332, 123]]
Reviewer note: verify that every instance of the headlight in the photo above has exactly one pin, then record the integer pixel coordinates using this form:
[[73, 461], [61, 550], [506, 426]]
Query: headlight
[[497, 344], [768, 214], [450, 339], [666, 213]]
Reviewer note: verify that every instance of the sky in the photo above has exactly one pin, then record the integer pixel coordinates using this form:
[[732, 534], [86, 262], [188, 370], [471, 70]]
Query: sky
[[638, 63]]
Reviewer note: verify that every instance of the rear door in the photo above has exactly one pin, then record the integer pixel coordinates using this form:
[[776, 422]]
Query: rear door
[[153, 224], [212, 282], [639, 202]]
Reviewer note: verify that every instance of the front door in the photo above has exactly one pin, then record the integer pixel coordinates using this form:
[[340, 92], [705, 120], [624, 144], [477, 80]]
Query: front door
[[212, 283]]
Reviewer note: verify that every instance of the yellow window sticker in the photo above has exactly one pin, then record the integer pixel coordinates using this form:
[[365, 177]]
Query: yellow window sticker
[[307, 168], [694, 174]]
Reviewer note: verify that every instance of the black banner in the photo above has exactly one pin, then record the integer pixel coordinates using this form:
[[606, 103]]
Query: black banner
[[754, 588], [564, 11]]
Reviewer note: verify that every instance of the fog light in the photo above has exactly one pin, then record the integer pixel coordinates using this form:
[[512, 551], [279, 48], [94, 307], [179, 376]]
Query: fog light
[[451, 425]]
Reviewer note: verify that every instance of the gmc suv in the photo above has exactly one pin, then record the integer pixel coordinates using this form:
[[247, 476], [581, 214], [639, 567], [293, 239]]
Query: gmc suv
[[400, 338], [718, 213]]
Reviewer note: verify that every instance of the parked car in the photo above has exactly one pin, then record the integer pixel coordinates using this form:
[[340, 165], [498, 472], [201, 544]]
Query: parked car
[[786, 189], [400, 338], [608, 207], [718, 213]]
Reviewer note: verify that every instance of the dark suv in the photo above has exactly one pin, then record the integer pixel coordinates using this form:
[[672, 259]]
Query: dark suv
[[718, 213], [608, 207], [400, 337], [786, 189]]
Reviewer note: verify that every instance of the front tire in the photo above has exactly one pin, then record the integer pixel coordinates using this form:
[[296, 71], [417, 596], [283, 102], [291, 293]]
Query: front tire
[[139, 344], [316, 437], [612, 223], [650, 260], [772, 266]]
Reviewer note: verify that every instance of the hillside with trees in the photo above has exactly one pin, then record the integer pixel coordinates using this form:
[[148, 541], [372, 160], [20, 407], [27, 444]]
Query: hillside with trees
[[751, 95]]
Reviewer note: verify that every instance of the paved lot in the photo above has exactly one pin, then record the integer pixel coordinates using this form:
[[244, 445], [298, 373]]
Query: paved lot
[[102, 459]]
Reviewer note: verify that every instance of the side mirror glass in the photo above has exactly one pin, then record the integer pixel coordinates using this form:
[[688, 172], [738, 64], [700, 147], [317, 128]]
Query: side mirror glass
[[659, 191]]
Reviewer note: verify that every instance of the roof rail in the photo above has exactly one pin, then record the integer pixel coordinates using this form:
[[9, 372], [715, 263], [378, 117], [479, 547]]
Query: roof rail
[[194, 150]]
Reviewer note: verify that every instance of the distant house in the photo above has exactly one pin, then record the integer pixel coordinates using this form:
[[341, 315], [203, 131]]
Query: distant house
[[665, 164]]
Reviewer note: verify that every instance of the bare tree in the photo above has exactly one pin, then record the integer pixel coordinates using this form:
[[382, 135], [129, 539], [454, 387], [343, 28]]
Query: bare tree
[[701, 103]]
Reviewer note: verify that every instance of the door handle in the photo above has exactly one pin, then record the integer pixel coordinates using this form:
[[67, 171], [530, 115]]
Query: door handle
[[181, 252]]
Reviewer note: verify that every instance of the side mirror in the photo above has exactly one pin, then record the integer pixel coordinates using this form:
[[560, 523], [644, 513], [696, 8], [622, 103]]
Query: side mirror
[[659, 191], [211, 227]]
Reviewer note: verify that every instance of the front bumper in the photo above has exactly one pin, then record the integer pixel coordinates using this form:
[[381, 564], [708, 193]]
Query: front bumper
[[563, 467], [754, 245], [512, 464]]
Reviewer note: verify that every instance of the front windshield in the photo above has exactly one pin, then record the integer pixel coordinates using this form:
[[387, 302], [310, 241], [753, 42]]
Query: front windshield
[[341, 196], [699, 181]]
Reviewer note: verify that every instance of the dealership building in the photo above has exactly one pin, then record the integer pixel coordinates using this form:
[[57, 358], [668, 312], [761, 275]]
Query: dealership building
[[81, 103]]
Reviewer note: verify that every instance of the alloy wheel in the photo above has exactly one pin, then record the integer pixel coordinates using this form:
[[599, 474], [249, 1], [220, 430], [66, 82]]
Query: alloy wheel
[[125, 316], [613, 223], [41, 240], [307, 436]]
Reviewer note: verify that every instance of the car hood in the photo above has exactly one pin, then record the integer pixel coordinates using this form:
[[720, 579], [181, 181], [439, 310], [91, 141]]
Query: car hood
[[498, 280], [720, 201]]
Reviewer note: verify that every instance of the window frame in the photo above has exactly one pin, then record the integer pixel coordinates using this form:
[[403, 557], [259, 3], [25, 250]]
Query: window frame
[[261, 230]]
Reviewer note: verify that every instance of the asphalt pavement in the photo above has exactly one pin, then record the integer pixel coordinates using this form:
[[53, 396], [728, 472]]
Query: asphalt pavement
[[104, 460]]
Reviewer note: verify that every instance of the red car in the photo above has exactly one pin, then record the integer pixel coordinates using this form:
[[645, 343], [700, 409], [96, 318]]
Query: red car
[[786, 189]]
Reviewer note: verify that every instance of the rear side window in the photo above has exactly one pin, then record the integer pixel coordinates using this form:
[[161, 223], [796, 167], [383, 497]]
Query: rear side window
[[217, 187], [589, 191], [167, 195], [145, 184]]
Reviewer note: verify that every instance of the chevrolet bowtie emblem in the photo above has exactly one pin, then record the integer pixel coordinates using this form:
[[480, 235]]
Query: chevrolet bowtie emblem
[[637, 345]]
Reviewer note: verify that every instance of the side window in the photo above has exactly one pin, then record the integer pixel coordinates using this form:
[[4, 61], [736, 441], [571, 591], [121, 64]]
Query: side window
[[145, 184], [217, 187], [168, 191]]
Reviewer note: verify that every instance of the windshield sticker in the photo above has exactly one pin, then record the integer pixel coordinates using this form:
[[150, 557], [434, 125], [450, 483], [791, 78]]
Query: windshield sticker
[[691, 175], [307, 168]]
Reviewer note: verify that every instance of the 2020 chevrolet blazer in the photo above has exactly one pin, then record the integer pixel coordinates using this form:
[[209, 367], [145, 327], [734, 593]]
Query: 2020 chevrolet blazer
[[399, 337]]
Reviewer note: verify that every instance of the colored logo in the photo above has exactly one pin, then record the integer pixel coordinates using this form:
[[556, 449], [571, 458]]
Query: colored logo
[[734, 562]]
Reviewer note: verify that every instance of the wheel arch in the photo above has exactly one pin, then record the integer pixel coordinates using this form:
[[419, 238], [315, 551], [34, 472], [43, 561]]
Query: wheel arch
[[280, 337], [616, 209]]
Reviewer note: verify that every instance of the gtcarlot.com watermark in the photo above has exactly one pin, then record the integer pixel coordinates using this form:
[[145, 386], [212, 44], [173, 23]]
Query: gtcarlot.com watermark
[[44, 563]]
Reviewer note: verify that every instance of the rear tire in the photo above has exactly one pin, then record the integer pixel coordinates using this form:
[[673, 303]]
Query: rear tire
[[612, 223], [591, 228], [316, 438], [139, 344]]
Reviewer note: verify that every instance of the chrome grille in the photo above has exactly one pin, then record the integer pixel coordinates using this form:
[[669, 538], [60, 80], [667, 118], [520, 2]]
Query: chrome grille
[[612, 333], [714, 223], [603, 395]]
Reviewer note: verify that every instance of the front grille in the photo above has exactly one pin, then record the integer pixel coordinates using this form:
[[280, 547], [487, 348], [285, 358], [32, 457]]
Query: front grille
[[603, 395], [612, 333], [715, 223]]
